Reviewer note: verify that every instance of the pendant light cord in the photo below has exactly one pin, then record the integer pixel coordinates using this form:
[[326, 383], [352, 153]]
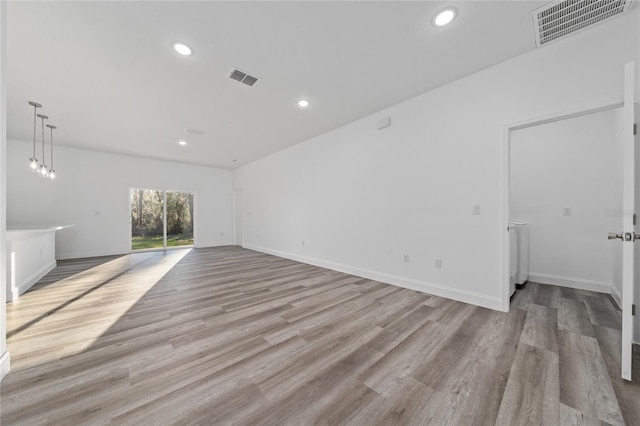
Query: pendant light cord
[[51, 147], [42, 140], [35, 109]]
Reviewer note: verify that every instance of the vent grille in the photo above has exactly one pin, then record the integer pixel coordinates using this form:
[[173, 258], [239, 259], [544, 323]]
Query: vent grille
[[243, 77], [561, 18], [194, 131]]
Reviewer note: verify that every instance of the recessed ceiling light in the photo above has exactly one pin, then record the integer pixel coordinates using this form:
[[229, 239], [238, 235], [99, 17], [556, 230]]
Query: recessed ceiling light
[[303, 103], [444, 16], [182, 48], [182, 142]]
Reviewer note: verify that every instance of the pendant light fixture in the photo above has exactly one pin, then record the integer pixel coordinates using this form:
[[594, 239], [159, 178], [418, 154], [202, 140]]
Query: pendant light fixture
[[52, 173], [36, 165], [43, 170], [33, 161]]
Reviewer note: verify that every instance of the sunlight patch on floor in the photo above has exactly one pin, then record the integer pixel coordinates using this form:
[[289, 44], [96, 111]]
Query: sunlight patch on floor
[[75, 318]]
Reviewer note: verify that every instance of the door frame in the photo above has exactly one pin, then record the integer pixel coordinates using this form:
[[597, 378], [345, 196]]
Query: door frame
[[505, 243], [238, 193], [630, 202]]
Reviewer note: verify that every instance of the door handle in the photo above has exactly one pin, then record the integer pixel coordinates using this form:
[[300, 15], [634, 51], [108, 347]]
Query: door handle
[[627, 236]]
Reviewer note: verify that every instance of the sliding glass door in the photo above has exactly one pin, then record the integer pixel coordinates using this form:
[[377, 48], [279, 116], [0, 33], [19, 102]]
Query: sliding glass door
[[161, 219], [147, 219], [179, 219]]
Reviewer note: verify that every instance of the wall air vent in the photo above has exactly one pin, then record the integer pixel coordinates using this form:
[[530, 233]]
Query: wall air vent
[[560, 18], [243, 77]]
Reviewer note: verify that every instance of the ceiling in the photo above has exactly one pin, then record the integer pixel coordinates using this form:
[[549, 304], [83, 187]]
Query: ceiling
[[109, 79]]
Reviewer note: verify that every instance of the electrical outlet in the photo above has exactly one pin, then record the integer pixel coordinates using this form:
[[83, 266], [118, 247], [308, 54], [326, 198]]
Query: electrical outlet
[[302, 243], [222, 234], [566, 211], [476, 209], [438, 263], [407, 258]]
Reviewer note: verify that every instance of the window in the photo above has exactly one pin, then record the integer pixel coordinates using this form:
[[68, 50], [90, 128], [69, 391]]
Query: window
[[161, 219]]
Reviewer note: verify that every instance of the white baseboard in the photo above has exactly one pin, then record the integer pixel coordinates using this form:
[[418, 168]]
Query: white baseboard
[[213, 244], [410, 283], [29, 282], [5, 360], [617, 297], [577, 283], [83, 254]]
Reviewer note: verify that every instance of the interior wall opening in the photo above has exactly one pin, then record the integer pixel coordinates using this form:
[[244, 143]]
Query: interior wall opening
[[565, 196]]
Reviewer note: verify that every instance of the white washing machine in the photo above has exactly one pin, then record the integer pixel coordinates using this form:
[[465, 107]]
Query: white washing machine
[[520, 252], [513, 270]]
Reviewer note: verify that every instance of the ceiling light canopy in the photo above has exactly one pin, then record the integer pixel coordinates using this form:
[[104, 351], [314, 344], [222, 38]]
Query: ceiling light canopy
[[303, 103], [445, 16], [182, 48]]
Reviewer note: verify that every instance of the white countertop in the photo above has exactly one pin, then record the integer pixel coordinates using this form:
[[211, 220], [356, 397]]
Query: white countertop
[[24, 233]]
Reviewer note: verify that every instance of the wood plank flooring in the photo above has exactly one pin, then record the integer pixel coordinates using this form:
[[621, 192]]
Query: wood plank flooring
[[231, 336]]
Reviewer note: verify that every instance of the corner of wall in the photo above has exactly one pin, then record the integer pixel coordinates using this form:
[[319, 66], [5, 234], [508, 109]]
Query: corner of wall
[[617, 297]]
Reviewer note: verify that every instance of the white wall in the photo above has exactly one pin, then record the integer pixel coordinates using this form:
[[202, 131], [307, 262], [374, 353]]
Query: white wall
[[30, 256], [4, 355], [91, 191], [572, 163], [361, 198]]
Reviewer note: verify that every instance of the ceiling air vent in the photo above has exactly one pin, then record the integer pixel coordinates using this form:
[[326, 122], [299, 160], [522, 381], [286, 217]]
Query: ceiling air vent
[[243, 77], [194, 131], [561, 18]]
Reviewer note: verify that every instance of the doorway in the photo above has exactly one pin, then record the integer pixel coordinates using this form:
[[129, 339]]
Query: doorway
[[566, 195], [161, 219], [509, 130]]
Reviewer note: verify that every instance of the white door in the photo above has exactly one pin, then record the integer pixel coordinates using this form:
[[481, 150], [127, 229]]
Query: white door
[[629, 204], [237, 217]]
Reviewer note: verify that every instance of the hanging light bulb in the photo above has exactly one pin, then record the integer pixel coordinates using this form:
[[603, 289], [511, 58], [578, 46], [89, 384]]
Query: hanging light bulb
[[52, 173], [43, 169], [33, 161]]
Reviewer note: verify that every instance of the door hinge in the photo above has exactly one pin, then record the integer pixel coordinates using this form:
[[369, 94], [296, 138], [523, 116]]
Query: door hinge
[[635, 129], [633, 310], [635, 219]]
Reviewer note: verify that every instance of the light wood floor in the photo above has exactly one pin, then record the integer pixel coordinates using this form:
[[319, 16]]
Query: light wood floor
[[231, 336]]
